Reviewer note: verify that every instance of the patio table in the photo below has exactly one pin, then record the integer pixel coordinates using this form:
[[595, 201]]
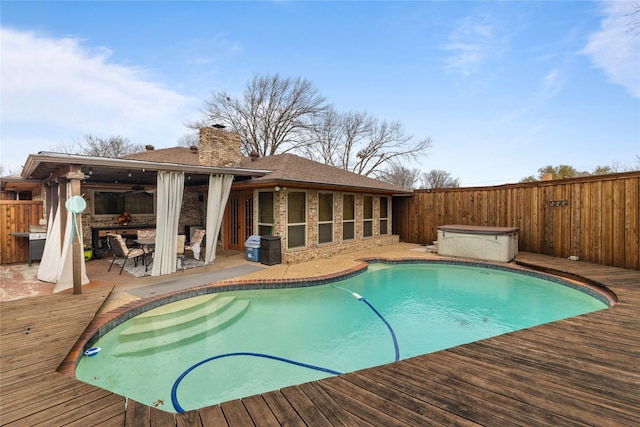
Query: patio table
[[148, 246]]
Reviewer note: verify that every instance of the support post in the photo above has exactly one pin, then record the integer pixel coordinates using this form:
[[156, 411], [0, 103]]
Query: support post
[[78, 250]]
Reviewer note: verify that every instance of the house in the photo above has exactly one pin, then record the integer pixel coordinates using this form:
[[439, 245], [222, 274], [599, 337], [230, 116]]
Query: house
[[316, 210]]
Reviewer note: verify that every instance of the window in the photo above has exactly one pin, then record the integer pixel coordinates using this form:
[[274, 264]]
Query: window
[[116, 202], [265, 213], [367, 216], [296, 219], [348, 217], [384, 215], [325, 218]]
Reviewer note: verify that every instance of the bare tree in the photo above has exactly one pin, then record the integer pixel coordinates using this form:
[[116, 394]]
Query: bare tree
[[634, 25], [7, 171], [438, 178], [114, 146], [278, 115], [334, 136], [399, 175], [360, 143], [68, 147], [188, 140], [272, 116]]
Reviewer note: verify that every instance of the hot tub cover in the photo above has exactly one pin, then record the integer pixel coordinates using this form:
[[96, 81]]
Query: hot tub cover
[[477, 229]]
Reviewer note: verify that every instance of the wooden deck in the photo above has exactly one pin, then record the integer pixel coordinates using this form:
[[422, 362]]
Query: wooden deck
[[575, 372]]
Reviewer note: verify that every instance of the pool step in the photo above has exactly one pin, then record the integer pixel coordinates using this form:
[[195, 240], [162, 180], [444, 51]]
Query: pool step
[[186, 329], [175, 316], [170, 310]]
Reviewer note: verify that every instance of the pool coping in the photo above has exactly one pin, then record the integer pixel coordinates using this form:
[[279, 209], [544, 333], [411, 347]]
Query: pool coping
[[104, 323]]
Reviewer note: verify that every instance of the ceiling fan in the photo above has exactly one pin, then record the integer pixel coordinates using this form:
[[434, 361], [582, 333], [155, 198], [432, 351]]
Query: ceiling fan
[[140, 189]]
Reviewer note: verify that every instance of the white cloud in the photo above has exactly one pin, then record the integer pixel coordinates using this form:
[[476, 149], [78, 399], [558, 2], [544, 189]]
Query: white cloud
[[615, 49], [470, 43], [551, 84], [57, 89]]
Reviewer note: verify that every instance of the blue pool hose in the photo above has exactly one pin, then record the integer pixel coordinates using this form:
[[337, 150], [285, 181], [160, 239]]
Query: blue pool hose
[[364, 300], [393, 335], [174, 389]]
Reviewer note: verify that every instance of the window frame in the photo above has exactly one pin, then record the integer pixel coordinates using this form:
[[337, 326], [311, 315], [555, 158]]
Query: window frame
[[384, 219], [367, 223], [351, 221], [330, 222], [303, 224], [261, 224], [125, 208]]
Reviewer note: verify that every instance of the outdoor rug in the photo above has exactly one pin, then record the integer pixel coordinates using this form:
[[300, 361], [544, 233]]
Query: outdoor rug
[[139, 270]]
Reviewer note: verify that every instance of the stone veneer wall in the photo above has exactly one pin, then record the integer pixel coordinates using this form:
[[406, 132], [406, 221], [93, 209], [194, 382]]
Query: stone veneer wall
[[218, 147], [191, 214], [192, 211], [314, 250]]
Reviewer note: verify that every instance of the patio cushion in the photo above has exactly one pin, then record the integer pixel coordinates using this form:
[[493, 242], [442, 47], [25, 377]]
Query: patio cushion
[[123, 250], [146, 233]]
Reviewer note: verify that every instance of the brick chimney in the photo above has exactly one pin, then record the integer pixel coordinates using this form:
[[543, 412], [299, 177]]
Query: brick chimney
[[218, 147]]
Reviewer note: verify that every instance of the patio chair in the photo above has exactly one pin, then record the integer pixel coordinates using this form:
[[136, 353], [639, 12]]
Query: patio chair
[[195, 245], [120, 250]]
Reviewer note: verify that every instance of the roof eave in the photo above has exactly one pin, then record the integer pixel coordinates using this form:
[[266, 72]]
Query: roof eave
[[266, 183], [60, 158]]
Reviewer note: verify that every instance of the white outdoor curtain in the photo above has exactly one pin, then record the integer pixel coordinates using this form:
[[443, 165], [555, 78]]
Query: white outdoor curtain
[[169, 203], [48, 269], [56, 265], [219, 189]]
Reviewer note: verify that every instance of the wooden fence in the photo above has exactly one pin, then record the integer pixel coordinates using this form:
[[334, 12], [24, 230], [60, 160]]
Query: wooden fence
[[15, 217], [595, 218]]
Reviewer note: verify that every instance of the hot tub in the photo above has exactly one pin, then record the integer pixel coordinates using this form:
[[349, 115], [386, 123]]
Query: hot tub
[[471, 241]]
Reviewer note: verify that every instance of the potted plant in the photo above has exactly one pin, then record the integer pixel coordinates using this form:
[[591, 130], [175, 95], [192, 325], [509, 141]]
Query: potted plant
[[124, 218]]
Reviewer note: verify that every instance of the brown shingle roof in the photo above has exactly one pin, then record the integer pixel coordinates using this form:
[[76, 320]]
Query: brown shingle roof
[[180, 155], [295, 169], [286, 168]]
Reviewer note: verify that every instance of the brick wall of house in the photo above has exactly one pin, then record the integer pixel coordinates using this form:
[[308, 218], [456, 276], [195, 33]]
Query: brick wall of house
[[315, 250], [218, 147]]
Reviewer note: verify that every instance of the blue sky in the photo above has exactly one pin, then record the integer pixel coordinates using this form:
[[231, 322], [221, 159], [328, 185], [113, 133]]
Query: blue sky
[[502, 88]]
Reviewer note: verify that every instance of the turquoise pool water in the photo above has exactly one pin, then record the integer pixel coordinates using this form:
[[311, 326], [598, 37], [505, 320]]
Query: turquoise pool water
[[429, 307]]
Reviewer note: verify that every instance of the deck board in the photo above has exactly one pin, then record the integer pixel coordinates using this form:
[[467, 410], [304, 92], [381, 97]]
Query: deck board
[[259, 411], [475, 391], [579, 371], [281, 409], [236, 414]]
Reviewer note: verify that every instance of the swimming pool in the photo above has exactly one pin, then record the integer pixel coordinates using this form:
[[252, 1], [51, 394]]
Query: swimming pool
[[422, 308]]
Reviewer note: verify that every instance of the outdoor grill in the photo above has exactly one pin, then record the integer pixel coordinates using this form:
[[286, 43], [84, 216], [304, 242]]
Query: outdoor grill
[[37, 236]]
